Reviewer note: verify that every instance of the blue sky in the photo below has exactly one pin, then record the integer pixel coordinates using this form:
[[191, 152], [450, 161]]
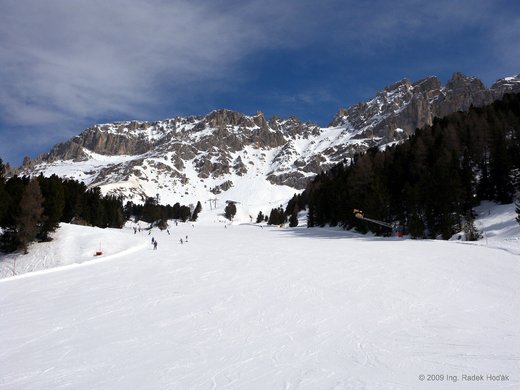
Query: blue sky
[[68, 64]]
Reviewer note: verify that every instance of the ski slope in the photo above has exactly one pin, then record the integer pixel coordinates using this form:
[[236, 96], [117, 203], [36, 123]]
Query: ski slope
[[249, 307]]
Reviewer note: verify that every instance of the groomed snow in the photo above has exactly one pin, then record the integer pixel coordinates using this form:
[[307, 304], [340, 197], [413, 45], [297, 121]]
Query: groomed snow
[[249, 307]]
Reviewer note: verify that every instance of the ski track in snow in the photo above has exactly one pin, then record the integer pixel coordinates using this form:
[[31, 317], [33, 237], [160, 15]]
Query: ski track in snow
[[248, 308]]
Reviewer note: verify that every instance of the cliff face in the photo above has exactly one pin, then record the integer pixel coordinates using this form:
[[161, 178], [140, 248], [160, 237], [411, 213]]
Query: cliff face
[[199, 153], [408, 106]]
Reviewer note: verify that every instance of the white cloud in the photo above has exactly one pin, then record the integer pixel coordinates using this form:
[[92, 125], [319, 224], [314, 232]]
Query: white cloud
[[84, 58], [67, 61]]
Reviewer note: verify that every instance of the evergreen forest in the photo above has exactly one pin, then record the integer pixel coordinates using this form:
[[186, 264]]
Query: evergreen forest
[[428, 185], [32, 208]]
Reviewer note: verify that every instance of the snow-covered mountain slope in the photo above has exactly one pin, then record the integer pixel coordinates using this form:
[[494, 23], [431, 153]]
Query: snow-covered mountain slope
[[244, 307], [191, 159], [229, 155], [75, 244]]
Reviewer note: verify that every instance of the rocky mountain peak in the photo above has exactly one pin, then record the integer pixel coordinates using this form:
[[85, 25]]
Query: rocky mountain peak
[[427, 85], [507, 84], [224, 117], [402, 85], [403, 107], [195, 155], [460, 81]]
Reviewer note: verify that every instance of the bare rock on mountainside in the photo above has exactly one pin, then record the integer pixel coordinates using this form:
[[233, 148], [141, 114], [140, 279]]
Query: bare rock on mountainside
[[137, 159], [409, 106]]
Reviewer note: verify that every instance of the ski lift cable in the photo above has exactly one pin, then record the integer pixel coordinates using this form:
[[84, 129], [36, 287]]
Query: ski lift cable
[[359, 214]]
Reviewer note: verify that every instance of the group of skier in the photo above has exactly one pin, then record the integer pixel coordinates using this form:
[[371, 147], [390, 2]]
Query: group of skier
[[154, 241], [138, 228]]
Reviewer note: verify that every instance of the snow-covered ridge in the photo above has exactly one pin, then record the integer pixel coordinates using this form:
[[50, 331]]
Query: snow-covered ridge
[[200, 157]]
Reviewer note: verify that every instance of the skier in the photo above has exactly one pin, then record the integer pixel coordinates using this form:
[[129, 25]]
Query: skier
[[182, 242], [168, 231], [153, 240], [186, 238], [155, 245]]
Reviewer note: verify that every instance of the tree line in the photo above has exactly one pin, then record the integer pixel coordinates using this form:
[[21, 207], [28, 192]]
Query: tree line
[[431, 182], [32, 208], [155, 213]]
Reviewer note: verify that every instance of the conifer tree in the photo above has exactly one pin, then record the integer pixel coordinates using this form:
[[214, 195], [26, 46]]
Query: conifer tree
[[54, 203], [28, 222], [184, 213], [310, 215], [113, 214], [176, 211], [416, 226], [151, 211], [92, 207], [293, 220], [4, 201], [230, 211], [276, 217], [73, 193], [471, 231], [15, 188], [196, 212]]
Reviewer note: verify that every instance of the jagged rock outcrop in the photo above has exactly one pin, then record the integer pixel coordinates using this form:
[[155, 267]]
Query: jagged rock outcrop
[[408, 106], [222, 187], [69, 150]]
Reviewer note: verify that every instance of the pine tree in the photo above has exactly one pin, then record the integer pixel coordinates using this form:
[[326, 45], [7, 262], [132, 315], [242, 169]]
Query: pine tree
[[260, 217], [151, 211], [15, 187], [501, 169], [74, 192], [176, 211], [28, 222], [184, 213], [416, 226], [196, 212], [517, 204], [276, 217], [113, 214], [4, 201], [54, 195], [230, 211], [471, 231], [293, 220], [310, 215]]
